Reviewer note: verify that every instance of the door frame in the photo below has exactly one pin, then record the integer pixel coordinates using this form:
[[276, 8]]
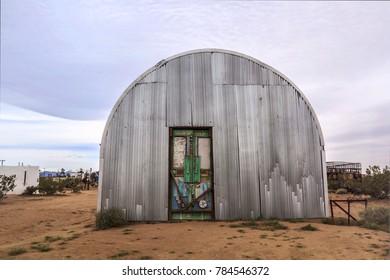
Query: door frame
[[170, 136]]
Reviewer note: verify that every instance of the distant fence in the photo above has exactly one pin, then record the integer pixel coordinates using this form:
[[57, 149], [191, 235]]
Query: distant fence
[[348, 211]]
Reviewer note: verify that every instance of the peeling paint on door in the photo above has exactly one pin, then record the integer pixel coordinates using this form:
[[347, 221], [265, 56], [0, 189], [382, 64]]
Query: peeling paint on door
[[191, 188]]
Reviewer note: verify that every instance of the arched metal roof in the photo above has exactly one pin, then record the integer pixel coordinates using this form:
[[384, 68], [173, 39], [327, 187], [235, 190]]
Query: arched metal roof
[[223, 51], [268, 144]]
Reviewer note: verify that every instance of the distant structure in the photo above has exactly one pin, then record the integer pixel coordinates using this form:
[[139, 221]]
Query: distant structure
[[26, 176], [213, 134], [47, 173], [348, 170]]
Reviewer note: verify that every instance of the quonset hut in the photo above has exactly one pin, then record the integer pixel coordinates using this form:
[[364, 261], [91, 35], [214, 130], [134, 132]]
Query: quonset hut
[[213, 134]]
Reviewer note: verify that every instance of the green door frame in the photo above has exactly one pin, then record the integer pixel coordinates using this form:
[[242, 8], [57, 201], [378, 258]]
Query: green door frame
[[188, 210]]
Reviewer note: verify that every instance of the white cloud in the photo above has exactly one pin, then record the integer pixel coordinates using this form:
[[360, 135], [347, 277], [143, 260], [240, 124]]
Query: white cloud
[[73, 59], [38, 139]]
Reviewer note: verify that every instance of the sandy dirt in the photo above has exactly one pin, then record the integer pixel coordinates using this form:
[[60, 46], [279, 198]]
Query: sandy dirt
[[62, 227]]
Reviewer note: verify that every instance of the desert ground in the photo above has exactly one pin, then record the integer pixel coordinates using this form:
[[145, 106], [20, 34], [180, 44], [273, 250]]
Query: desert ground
[[63, 227]]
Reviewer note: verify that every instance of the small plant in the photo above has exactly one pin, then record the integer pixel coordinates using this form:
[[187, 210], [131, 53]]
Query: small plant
[[250, 224], [235, 226], [386, 252], [73, 236], [52, 238], [272, 225], [17, 251], [30, 190], [145, 258], [338, 222], [376, 218], [241, 231], [110, 218], [127, 231], [74, 184], [293, 221], [341, 191], [376, 246], [7, 184], [41, 247], [120, 254], [309, 227]]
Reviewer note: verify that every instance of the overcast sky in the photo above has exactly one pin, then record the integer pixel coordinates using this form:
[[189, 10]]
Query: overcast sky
[[65, 63]]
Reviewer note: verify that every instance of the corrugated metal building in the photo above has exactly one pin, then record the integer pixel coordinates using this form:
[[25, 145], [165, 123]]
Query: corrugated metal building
[[213, 134]]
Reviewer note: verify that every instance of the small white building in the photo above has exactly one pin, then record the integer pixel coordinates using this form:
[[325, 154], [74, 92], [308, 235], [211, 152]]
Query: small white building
[[26, 176]]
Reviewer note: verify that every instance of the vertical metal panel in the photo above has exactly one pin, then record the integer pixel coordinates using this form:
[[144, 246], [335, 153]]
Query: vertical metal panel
[[136, 161], [247, 134], [225, 154], [268, 150], [189, 101]]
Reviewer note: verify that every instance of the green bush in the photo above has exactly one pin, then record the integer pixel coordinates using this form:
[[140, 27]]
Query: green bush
[[309, 227], [17, 251], [341, 191], [30, 190], [376, 183], [49, 186], [74, 184], [376, 218], [41, 247], [48, 190], [110, 218], [7, 183], [272, 225], [338, 221]]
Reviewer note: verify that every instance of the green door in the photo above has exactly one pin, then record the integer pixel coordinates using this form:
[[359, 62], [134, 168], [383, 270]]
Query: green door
[[191, 188]]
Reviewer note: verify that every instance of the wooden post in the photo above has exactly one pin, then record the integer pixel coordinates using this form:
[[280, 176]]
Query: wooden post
[[349, 212], [331, 208]]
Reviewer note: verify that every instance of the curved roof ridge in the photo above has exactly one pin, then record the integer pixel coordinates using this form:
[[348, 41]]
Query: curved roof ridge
[[211, 50]]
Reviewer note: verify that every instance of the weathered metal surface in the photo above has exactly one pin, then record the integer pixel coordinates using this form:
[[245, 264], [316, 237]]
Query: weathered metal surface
[[268, 149], [191, 186], [179, 151]]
